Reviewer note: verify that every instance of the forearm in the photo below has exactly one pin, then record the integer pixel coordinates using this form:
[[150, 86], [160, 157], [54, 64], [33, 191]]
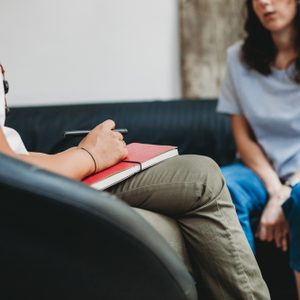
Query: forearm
[[100, 149], [74, 162], [254, 157]]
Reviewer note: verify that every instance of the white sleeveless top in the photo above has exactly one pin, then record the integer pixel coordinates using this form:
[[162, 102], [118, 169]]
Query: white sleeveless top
[[13, 138]]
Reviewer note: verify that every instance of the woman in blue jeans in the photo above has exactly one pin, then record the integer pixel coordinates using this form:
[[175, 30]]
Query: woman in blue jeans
[[261, 93]]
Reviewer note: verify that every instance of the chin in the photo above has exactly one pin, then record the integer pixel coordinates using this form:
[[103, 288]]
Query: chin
[[275, 27]]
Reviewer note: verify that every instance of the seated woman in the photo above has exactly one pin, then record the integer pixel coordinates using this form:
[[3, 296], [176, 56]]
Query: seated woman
[[261, 92], [189, 189]]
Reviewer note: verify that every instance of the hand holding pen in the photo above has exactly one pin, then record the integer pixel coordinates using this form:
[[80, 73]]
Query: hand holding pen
[[104, 144]]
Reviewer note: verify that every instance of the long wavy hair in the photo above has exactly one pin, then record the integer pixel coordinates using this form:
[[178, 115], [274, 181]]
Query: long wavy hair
[[259, 50]]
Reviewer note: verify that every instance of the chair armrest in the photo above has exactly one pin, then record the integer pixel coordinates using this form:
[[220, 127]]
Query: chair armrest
[[61, 239]]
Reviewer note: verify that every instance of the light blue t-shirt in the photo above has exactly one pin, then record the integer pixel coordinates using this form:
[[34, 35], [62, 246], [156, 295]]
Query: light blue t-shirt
[[271, 104]]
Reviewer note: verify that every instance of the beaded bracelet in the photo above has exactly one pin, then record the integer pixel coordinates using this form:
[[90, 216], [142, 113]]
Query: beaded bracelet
[[94, 160]]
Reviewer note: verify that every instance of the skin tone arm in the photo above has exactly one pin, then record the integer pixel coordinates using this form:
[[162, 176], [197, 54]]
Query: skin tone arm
[[273, 225], [104, 144]]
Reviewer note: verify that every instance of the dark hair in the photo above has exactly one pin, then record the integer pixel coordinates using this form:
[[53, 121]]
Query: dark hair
[[259, 50]]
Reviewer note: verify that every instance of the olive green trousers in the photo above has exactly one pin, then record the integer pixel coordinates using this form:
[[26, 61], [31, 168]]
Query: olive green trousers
[[191, 190]]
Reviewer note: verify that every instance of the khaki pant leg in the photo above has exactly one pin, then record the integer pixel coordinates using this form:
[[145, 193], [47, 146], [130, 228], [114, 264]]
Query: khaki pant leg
[[191, 190]]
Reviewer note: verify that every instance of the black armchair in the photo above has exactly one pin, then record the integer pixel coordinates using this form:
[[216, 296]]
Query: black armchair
[[60, 239]]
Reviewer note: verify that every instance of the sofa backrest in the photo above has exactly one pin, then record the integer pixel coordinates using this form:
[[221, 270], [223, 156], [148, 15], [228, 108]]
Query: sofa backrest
[[192, 125]]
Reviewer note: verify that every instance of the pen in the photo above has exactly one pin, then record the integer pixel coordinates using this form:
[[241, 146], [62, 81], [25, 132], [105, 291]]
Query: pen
[[85, 132]]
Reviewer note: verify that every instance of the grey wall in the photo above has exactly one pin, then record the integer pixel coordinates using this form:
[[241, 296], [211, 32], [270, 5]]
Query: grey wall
[[208, 29], [69, 51]]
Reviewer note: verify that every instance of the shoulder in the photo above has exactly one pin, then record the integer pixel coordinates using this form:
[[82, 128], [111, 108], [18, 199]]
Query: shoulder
[[234, 51], [234, 58]]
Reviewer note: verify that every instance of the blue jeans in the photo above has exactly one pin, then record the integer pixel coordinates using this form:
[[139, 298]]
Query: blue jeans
[[291, 209], [250, 197]]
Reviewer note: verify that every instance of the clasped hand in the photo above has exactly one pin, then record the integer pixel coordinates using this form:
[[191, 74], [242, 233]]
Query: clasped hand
[[106, 145], [273, 225]]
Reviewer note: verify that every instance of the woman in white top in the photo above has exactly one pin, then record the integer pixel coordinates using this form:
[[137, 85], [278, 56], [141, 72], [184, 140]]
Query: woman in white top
[[261, 93]]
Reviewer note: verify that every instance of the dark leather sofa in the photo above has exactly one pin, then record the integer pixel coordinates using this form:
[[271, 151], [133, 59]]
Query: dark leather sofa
[[193, 125]]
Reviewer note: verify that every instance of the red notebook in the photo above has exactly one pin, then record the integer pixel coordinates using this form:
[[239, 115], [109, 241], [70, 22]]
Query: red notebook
[[140, 157]]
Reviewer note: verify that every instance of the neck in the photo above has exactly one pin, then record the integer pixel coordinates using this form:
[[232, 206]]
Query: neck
[[284, 42], [284, 39]]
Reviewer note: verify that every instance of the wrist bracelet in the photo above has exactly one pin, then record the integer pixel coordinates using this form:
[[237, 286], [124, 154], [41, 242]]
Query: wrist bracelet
[[93, 158]]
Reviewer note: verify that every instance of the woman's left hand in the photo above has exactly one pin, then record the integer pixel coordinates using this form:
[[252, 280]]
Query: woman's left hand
[[273, 225]]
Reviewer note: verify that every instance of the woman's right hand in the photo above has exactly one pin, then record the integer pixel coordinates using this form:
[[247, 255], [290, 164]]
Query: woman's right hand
[[106, 145]]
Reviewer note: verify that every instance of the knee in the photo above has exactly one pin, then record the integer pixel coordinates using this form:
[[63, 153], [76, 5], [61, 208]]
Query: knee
[[210, 191], [232, 176], [207, 175], [238, 195], [202, 184]]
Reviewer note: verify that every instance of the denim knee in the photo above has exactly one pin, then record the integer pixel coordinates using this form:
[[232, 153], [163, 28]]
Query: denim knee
[[246, 187]]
